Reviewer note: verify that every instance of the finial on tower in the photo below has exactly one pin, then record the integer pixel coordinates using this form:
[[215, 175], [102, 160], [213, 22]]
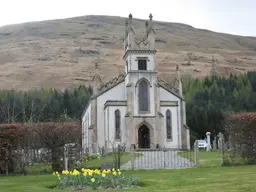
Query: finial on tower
[[150, 16], [130, 16], [178, 72]]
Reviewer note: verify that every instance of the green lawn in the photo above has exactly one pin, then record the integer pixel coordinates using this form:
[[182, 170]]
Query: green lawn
[[92, 164], [207, 159], [210, 177], [125, 157]]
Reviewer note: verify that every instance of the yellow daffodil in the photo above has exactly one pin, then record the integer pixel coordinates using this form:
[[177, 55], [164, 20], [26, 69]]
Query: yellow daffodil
[[65, 172], [114, 173], [103, 175], [92, 180]]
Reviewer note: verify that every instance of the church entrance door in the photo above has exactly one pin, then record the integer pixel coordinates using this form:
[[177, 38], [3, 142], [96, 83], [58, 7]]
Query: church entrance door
[[144, 137]]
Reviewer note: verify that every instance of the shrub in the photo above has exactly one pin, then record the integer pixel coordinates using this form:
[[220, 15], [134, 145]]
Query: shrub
[[12, 139], [94, 179], [54, 135], [240, 129], [17, 139]]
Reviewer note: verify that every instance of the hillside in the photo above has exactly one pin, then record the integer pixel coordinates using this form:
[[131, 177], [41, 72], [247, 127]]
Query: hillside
[[63, 53]]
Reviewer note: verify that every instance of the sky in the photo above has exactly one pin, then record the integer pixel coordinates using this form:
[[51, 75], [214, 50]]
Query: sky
[[227, 16]]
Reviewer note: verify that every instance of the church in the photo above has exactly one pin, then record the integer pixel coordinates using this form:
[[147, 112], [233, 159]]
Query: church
[[137, 109]]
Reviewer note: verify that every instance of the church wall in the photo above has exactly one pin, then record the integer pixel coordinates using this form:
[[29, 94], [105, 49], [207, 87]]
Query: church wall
[[167, 96], [115, 93], [110, 128], [174, 142], [86, 120]]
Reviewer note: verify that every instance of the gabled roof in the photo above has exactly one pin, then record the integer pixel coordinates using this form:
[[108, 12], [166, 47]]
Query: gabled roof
[[110, 84], [119, 79], [168, 87]]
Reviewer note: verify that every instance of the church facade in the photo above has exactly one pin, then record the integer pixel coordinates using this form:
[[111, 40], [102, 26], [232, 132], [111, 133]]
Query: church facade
[[137, 109]]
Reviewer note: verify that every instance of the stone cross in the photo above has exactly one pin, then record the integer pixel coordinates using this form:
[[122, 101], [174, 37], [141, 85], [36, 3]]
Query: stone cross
[[208, 141], [150, 16]]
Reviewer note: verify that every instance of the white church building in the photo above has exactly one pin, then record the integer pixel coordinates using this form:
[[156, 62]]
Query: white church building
[[137, 109]]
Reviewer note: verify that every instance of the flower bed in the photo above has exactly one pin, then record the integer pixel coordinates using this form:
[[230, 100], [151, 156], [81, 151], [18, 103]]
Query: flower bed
[[94, 179]]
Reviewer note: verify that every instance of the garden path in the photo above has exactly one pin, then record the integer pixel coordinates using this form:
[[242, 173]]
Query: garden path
[[159, 160]]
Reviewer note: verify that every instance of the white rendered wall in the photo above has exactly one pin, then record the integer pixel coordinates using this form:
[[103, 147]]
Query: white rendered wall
[[167, 96], [115, 93], [174, 142], [110, 125], [176, 118], [86, 123]]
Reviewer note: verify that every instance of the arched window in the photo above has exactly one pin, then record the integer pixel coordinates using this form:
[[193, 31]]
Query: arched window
[[143, 96], [117, 124], [168, 124]]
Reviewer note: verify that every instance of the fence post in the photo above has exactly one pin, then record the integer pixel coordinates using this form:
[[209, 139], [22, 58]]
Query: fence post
[[132, 157], [222, 147], [119, 157], [196, 151], [65, 158]]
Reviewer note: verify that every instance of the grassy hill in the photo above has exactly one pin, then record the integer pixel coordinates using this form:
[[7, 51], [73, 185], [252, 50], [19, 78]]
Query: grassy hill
[[62, 53]]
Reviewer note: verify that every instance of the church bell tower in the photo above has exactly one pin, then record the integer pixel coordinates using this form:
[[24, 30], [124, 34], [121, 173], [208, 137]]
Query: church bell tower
[[140, 67]]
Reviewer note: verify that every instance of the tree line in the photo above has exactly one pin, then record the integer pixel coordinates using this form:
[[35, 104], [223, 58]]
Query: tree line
[[43, 105], [208, 101], [211, 99]]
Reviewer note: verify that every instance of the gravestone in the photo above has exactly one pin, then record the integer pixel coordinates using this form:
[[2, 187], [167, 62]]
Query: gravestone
[[208, 134], [215, 144], [220, 136]]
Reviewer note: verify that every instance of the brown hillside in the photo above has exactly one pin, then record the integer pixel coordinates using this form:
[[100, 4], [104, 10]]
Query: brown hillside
[[62, 53]]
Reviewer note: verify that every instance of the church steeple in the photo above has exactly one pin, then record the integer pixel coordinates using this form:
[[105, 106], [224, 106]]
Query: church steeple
[[139, 54], [132, 42]]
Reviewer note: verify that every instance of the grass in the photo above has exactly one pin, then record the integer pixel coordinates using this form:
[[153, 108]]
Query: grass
[[39, 168], [92, 164], [207, 159], [210, 177], [125, 157]]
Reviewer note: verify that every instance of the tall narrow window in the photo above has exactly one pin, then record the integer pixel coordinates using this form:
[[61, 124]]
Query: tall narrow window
[[142, 64], [168, 124], [117, 124], [143, 96]]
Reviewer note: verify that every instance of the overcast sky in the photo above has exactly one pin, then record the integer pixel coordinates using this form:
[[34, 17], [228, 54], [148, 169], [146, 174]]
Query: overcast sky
[[228, 16]]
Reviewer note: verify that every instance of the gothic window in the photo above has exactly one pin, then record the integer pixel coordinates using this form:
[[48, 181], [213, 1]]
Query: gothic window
[[143, 96], [117, 124], [168, 124], [142, 64]]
